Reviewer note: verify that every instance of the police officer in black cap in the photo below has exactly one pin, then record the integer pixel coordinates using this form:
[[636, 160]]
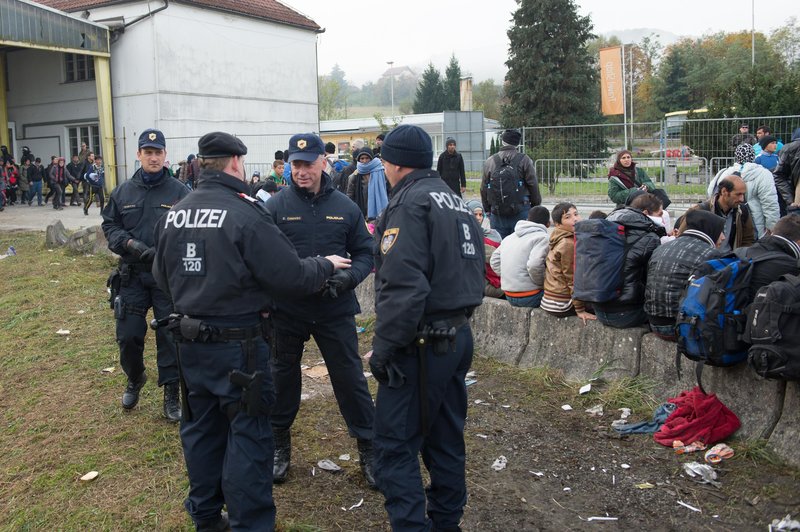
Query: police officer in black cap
[[429, 279], [132, 212], [223, 259], [320, 220]]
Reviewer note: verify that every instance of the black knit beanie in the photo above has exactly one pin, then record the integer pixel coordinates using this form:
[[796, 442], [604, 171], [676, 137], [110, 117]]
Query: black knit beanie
[[408, 146], [705, 222], [512, 137]]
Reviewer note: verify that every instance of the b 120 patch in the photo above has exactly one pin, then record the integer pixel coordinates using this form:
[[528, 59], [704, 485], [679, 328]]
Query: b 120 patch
[[468, 240], [193, 258]]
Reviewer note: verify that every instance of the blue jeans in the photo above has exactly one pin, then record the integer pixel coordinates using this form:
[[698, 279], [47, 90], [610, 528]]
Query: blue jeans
[[528, 301], [621, 320], [505, 224], [36, 188], [665, 332]]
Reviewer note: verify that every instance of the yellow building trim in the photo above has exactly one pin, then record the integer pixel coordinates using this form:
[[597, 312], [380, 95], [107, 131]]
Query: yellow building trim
[[102, 74], [51, 48], [4, 140]]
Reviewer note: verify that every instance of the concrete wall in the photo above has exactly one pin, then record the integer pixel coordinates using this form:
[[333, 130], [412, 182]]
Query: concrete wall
[[767, 409]]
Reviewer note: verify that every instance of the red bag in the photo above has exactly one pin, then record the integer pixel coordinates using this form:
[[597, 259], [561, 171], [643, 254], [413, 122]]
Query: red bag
[[698, 417]]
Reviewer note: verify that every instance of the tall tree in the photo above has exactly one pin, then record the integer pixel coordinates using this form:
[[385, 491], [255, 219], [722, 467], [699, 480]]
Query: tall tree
[[452, 85], [551, 79], [332, 100], [430, 92]]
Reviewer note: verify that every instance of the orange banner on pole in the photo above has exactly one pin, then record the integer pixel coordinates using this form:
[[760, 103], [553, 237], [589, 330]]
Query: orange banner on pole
[[611, 85]]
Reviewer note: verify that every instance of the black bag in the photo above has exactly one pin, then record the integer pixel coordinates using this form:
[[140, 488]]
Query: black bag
[[773, 329], [505, 189], [661, 194]]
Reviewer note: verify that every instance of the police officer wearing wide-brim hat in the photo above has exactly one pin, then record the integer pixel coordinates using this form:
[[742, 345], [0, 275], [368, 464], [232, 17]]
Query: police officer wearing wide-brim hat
[[222, 259], [429, 279], [320, 220], [132, 212]]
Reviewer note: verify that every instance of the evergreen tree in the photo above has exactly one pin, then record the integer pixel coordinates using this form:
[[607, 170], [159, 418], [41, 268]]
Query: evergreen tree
[[552, 79], [430, 92], [452, 85]]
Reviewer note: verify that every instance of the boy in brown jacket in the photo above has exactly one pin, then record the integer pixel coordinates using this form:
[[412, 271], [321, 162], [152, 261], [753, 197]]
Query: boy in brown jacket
[[558, 289]]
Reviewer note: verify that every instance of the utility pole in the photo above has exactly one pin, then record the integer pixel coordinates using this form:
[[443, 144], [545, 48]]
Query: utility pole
[[391, 74]]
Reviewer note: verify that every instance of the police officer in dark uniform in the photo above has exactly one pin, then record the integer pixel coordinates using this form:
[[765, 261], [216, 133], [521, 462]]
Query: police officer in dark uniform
[[222, 259], [320, 220], [129, 217], [430, 268]]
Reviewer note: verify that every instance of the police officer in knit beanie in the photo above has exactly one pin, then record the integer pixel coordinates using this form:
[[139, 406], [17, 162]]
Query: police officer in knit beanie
[[408, 146]]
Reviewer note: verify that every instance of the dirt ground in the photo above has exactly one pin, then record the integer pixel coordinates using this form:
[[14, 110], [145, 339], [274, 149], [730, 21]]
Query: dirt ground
[[564, 467]]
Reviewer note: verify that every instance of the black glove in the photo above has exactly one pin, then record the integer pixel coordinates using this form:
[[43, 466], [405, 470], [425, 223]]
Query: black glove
[[385, 370], [140, 250], [339, 283]]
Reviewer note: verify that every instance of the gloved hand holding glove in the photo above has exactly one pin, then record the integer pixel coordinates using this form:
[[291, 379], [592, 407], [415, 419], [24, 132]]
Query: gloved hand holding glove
[[385, 370], [339, 283], [140, 250]]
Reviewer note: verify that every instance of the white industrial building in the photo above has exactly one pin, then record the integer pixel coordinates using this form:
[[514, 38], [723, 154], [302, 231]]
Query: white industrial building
[[184, 66]]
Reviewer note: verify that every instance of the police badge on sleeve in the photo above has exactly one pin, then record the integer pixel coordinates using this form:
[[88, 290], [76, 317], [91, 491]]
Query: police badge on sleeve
[[389, 238]]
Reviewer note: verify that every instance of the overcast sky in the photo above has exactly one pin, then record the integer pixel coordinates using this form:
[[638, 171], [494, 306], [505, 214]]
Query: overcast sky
[[362, 36]]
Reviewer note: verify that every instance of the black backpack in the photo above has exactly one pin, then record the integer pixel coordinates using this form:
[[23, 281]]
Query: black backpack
[[773, 329], [505, 188]]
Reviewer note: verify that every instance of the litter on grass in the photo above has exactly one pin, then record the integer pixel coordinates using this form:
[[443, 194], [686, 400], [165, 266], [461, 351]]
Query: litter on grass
[[596, 410], [645, 486], [718, 453], [344, 457], [356, 505], [566, 408], [63, 332], [586, 388], [328, 465], [469, 382], [689, 506], [603, 519], [787, 523], [500, 463], [91, 475], [702, 473], [107, 370], [482, 436]]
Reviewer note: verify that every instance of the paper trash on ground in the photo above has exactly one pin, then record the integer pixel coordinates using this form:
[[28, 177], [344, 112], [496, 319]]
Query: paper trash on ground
[[566, 408], [328, 465], [63, 332], [596, 410], [91, 475], [586, 388], [500, 463], [356, 505]]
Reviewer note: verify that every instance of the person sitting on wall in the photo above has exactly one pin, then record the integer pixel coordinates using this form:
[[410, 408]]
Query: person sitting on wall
[[491, 241]]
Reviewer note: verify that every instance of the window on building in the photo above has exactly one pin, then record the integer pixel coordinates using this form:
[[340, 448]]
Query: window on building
[[77, 135], [78, 67]]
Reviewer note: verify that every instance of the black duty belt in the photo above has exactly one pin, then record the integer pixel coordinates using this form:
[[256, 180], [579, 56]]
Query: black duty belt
[[439, 322]]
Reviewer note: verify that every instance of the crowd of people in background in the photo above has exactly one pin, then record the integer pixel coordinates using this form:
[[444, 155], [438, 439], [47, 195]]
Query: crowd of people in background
[[29, 180], [752, 208]]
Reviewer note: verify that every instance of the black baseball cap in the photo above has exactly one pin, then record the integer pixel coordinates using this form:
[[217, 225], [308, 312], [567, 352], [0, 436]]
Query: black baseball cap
[[152, 138], [305, 147]]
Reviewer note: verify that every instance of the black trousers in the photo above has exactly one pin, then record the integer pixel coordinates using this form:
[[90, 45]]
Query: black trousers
[[138, 296], [338, 343]]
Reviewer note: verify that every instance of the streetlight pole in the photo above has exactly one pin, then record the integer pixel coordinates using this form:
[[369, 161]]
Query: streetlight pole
[[391, 74], [753, 33]]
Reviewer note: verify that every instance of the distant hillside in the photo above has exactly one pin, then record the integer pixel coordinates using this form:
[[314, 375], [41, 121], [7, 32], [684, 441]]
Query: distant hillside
[[635, 35]]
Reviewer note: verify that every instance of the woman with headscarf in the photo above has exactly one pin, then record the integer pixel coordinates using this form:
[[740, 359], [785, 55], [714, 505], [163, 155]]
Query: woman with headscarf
[[762, 196], [624, 179], [491, 241]]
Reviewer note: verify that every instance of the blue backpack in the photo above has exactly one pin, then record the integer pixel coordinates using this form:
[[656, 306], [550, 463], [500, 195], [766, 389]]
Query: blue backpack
[[712, 312]]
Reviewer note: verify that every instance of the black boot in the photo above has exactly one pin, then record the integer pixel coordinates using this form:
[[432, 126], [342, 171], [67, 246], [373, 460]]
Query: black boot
[[172, 402], [366, 458], [283, 454], [131, 396], [221, 524]]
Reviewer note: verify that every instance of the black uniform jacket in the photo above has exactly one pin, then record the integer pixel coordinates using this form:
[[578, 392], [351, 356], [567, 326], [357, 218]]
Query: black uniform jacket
[[134, 209], [219, 254], [327, 223], [429, 258]]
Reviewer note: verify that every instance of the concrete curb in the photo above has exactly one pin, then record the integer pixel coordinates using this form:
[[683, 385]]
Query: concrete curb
[[524, 338]]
